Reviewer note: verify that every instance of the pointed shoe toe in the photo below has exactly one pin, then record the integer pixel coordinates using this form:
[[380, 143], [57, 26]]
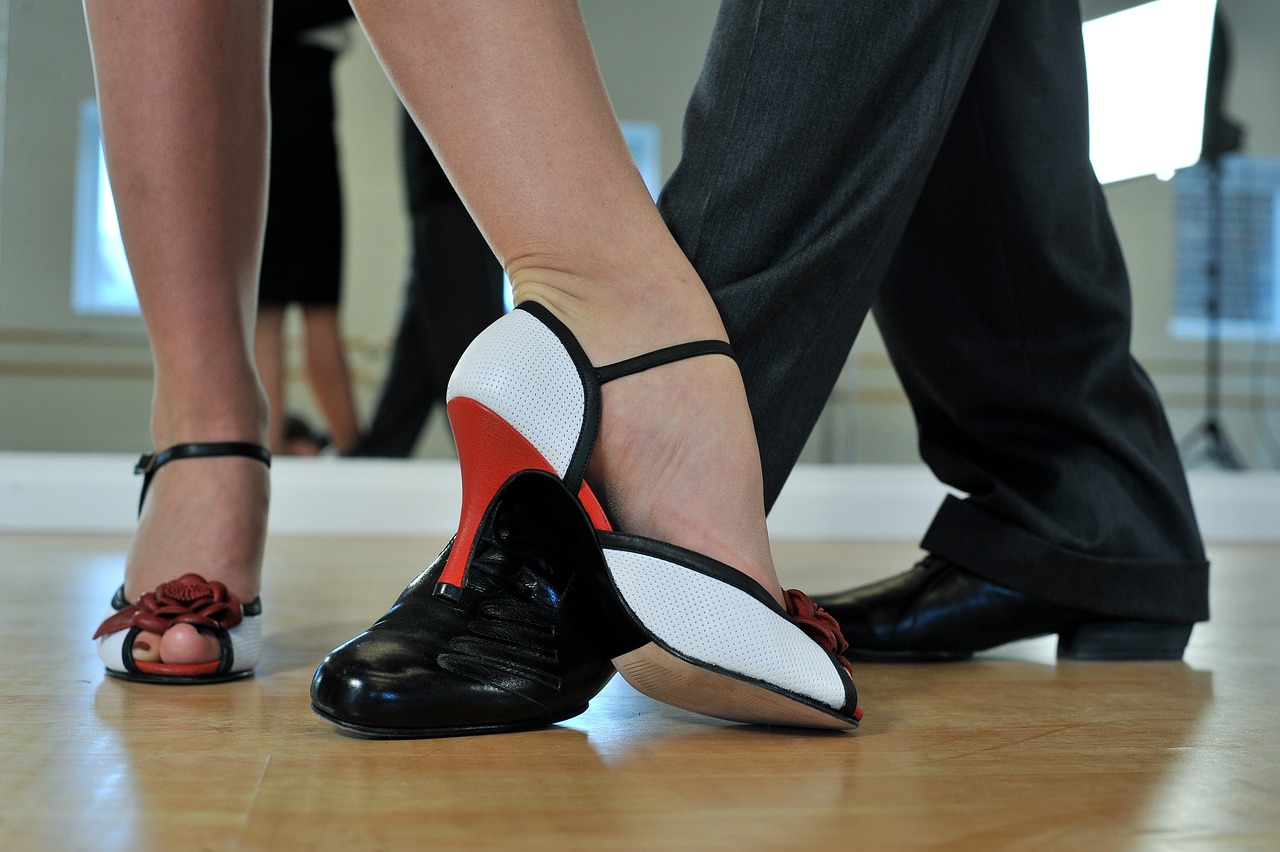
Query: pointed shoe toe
[[716, 643]]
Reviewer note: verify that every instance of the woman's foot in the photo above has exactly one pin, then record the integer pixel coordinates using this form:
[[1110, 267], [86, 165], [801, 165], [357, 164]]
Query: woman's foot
[[676, 458], [677, 461], [206, 516], [673, 456]]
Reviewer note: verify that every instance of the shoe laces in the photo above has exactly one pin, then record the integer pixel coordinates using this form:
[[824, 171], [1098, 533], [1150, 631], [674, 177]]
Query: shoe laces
[[514, 620]]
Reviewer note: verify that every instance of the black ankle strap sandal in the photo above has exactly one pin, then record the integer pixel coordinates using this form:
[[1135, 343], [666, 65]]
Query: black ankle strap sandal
[[206, 605]]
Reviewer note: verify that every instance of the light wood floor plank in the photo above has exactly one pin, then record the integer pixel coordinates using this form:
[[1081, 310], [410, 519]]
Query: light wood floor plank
[[1012, 750]]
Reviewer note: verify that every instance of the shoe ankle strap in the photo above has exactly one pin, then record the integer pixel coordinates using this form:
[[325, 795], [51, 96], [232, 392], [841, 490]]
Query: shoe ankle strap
[[627, 366], [666, 355], [149, 463]]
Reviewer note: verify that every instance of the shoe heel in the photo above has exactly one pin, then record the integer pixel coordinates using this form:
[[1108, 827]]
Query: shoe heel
[[1124, 640], [518, 400], [490, 452]]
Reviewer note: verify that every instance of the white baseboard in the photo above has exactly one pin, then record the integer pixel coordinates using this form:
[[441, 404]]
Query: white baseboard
[[97, 493]]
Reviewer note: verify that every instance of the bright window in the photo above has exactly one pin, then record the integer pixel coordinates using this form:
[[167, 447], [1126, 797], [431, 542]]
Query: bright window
[[101, 283]]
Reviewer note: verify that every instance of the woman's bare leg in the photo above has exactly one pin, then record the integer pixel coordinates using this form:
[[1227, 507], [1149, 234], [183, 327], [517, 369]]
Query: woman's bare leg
[[268, 351], [183, 102], [511, 100], [328, 374]]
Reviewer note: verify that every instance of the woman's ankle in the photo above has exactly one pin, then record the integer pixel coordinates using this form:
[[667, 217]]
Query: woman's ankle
[[677, 457], [206, 516], [238, 412], [677, 460], [615, 323]]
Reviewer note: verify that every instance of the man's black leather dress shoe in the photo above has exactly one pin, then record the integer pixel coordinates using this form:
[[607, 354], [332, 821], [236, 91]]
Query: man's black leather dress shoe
[[526, 645], [938, 611]]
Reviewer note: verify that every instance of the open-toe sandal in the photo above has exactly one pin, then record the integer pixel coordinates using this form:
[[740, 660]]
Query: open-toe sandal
[[205, 605]]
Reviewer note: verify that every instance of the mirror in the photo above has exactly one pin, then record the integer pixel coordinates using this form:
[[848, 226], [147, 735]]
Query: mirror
[[70, 382]]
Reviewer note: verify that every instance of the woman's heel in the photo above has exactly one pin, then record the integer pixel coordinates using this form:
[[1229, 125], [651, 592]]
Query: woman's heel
[[1124, 640], [490, 452]]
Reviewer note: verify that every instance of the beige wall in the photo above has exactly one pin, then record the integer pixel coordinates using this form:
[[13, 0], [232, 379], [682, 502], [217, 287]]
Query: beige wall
[[72, 383]]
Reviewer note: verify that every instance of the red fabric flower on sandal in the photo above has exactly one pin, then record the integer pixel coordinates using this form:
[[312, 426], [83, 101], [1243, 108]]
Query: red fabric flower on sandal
[[818, 624], [190, 599]]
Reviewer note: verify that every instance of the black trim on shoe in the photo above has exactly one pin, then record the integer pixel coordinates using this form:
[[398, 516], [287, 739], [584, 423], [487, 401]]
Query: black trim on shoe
[[149, 463], [701, 564], [118, 600], [659, 357], [228, 652], [126, 651], [692, 560], [591, 412], [593, 377]]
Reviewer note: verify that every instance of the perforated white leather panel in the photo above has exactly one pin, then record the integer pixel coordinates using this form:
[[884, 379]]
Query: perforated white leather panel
[[111, 650], [246, 644], [707, 620], [518, 368]]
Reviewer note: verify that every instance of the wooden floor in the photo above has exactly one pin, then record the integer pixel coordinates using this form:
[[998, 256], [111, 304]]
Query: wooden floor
[[1010, 751]]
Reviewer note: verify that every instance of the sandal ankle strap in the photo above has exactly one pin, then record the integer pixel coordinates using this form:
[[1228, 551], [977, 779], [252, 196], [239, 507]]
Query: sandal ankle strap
[[627, 366], [149, 463], [666, 355]]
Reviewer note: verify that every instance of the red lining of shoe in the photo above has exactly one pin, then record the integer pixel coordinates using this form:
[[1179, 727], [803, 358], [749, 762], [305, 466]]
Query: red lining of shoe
[[178, 669], [492, 451]]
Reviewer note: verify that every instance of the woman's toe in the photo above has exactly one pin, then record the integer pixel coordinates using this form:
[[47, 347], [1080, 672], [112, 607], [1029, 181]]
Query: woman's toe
[[184, 644], [146, 647]]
